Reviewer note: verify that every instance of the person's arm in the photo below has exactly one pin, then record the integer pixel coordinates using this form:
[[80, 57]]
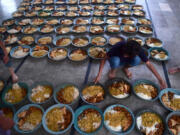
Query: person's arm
[[3, 48], [100, 69], [157, 75]]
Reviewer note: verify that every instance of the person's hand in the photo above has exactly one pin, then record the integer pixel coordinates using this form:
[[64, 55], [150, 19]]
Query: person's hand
[[6, 123], [5, 59], [96, 80], [162, 84]]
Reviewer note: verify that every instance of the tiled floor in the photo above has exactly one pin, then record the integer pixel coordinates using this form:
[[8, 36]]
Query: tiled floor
[[166, 22]]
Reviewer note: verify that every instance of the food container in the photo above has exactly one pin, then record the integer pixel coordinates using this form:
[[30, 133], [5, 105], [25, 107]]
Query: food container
[[20, 57], [159, 50]]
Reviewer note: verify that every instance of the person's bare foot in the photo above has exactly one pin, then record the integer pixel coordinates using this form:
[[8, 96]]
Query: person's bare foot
[[112, 73], [127, 73], [15, 78]]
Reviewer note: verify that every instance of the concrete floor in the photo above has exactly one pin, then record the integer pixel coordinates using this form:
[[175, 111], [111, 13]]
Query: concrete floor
[[166, 23]]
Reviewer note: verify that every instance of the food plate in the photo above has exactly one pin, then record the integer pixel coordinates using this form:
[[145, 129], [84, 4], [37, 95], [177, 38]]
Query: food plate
[[93, 116], [10, 39], [58, 54], [48, 8], [145, 30], [62, 41], [66, 21], [86, 7], [97, 1], [108, 2], [124, 6], [18, 14], [36, 8], [28, 118], [172, 122], [93, 93], [20, 52], [84, 1], [8, 22], [44, 13], [119, 113], [37, 21], [119, 1], [58, 111], [137, 7], [79, 29], [72, 14], [85, 13], [30, 13], [96, 29], [146, 90], [48, 2], [23, 8], [144, 21], [44, 40], [112, 20], [30, 30], [159, 54], [99, 7], [52, 21], [153, 42], [15, 94], [46, 29], [113, 13], [119, 88], [137, 39], [63, 30], [97, 53], [80, 41], [39, 51], [139, 13], [129, 29], [14, 29], [73, 8], [57, 13], [67, 93], [61, 7], [57, 2], [78, 55], [23, 22], [113, 29], [99, 41], [71, 2], [128, 21], [130, 1], [170, 99], [81, 21], [115, 39], [125, 12], [41, 92], [112, 7], [99, 13]]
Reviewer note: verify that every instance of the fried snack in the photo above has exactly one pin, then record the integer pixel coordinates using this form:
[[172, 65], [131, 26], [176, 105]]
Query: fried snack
[[30, 30], [80, 42], [145, 30], [119, 89], [2, 29], [78, 55], [114, 40], [58, 54], [140, 41], [8, 22], [129, 28], [139, 13], [37, 21], [97, 21], [112, 13], [41, 93], [93, 93], [1, 85], [8, 112], [14, 30], [15, 94], [97, 52], [99, 41], [40, 51], [96, 29], [26, 40], [146, 91], [29, 119], [71, 14], [45, 40], [20, 52], [79, 29], [113, 28], [47, 29], [128, 21], [173, 124], [58, 119], [153, 42], [150, 124], [159, 54], [125, 12], [112, 21], [64, 41], [63, 30], [30, 13], [98, 13], [10, 39], [89, 120], [171, 100], [57, 13], [52, 21], [144, 21], [68, 94], [118, 119], [66, 22], [82, 21], [24, 22]]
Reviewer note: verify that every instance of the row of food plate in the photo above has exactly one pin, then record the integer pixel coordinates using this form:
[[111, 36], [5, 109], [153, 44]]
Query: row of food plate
[[72, 2], [80, 7], [116, 118], [77, 21]]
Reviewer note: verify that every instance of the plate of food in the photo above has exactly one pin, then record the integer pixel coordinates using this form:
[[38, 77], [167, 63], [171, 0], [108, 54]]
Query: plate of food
[[99, 7], [119, 119], [36, 8], [23, 8], [139, 13], [144, 21], [58, 119], [108, 2], [80, 41], [99, 41], [81, 21], [30, 30], [44, 40], [97, 20], [145, 29], [170, 99], [57, 13], [113, 13], [129, 29], [66, 94], [14, 29], [8, 22], [78, 55], [61, 7], [37, 2], [28, 118], [128, 21], [10, 39], [44, 13], [57, 2], [23, 22], [159, 54], [72, 14], [125, 12], [93, 93], [153, 42], [48, 2], [112, 7], [88, 120], [58, 54], [48, 8], [113, 29], [172, 122], [18, 14], [71, 2], [115, 39], [96, 29], [124, 6], [150, 123], [112, 21], [46, 29], [99, 13], [15, 93], [52, 21], [86, 7], [30, 13], [85, 13], [97, 1], [146, 90], [137, 7], [40, 93], [130, 1], [80, 29], [39, 51], [62, 41], [37, 21], [66, 22], [97, 53], [73, 8], [84, 1], [137, 39], [63, 30], [119, 88], [20, 52]]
